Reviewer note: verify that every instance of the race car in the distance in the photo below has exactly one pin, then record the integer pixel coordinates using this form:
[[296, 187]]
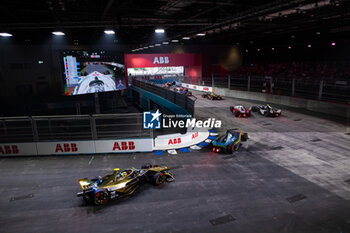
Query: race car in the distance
[[185, 92], [240, 111], [212, 96], [229, 142], [119, 184], [170, 84], [267, 110]]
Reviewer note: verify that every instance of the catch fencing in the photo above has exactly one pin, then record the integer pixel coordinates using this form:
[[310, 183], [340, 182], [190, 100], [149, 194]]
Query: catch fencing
[[326, 90], [71, 127]]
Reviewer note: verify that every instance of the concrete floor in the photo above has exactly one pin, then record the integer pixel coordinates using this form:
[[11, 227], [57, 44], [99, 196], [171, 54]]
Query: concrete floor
[[286, 156]]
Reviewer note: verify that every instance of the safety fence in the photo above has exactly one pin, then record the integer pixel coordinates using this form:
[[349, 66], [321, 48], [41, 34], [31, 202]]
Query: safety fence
[[72, 127], [326, 90], [181, 100]]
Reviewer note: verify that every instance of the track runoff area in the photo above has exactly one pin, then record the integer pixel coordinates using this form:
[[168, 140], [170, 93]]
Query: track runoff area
[[292, 175]]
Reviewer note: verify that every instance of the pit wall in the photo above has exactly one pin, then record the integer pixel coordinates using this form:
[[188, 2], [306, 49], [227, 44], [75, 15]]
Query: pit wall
[[340, 110]]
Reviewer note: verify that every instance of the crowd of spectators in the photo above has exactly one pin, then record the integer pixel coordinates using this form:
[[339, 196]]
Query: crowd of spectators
[[299, 70]]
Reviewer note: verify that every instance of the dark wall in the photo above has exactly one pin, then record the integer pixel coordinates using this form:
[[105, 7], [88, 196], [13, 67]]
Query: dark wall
[[21, 75]]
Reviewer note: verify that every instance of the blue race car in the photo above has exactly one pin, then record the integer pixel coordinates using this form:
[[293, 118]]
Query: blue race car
[[229, 142]]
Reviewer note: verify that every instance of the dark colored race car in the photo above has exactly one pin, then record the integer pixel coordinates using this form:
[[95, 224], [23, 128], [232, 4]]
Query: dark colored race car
[[229, 142], [119, 184], [240, 111], [185, 92], [267, 110], [212, 96]]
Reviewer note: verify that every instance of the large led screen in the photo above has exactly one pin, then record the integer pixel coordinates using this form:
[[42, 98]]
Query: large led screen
[[91, 72]]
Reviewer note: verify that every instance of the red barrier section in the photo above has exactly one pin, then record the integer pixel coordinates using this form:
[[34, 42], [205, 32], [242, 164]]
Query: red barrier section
[[192, 63]]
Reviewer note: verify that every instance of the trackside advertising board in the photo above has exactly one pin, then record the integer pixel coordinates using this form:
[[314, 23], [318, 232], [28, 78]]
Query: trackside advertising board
[[18, 149], [70, 147], [77, 147], [197, 87], [124, 145], [175, 141]]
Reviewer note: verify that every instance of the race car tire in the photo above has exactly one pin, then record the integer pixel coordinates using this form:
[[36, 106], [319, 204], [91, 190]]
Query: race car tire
[[146, 166], [231, 109], [158, 178], [254, 109], [87, 199], [230, 148], [101, 198], [236, 114], [248, 114], [236, 147], [244, 137]]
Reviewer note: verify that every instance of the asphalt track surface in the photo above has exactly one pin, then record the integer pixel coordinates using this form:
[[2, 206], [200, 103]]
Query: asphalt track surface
[[254, 190]]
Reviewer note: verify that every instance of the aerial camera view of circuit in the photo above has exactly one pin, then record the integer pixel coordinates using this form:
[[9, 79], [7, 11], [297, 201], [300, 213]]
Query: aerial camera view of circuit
[[84, 77]]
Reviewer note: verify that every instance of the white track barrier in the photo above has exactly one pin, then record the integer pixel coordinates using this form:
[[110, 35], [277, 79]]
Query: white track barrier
[[177, 141], [77, 147], [196, 87]]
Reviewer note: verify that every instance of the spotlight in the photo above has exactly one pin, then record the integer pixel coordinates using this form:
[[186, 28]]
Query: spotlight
[[165, 42], [200, 34], [5, 34], [151, 46], [309, 45], [157, 45], [58, 33], [109, 32], [318, 33], [258, 50], [333, 44], [289, 47], [186, 38], [174, 41], [159, 30], [246, 50], [273, 49]]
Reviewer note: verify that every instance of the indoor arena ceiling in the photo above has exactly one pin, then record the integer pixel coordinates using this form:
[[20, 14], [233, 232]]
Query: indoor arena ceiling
[[134, 21]]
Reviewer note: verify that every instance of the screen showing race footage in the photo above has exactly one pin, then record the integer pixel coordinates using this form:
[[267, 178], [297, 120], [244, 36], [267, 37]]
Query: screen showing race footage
[[90, 72]]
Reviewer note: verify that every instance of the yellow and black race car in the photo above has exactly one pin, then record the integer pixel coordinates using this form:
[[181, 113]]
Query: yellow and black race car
[[212, 96], [119, 184]]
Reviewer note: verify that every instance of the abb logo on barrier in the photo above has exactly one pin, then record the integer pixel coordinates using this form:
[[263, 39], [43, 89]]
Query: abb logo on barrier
[[174, 141], [66, 147], [205, 88], [9, 149], [161, 60], [129, 145]]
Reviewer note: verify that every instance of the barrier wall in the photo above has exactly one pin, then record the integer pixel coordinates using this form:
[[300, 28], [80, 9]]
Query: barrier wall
[[335, 109], [176, 141], [77, 147], [197, 87], [164, 142]]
